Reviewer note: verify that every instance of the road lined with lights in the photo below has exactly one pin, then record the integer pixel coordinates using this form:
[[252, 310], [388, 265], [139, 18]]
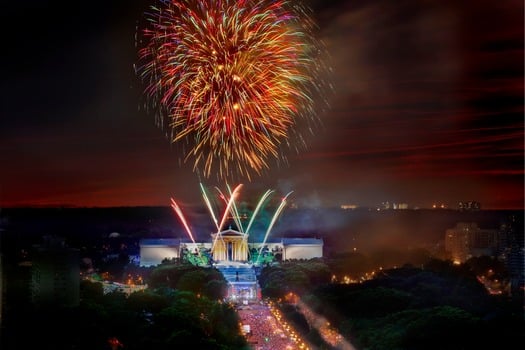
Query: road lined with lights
[[267, 329]]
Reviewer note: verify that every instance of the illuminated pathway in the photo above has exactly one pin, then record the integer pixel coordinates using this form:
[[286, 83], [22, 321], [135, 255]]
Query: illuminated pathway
[[328, 333], [267, 330]]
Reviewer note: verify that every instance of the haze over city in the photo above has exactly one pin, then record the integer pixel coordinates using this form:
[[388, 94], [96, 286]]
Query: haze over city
[[427, 108], [228, 174]]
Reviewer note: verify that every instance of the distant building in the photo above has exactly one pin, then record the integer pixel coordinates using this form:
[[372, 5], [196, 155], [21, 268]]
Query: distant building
[[228, 245], [154, 250], [302, 248], [55, 274], [469, 206], [511, 252], [467, 240], [391, 206]]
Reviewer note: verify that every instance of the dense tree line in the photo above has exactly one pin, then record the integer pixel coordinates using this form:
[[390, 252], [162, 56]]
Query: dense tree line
[[428, 304], [183, 306], [437, 305]]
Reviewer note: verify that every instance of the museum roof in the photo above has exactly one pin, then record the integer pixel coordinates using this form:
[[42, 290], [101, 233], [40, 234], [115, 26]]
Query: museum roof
[[159, 241], [303, 241]]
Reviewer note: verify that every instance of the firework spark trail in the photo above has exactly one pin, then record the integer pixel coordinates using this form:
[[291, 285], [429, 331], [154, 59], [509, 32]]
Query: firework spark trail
[[272, 222], [232, 198], [230, 202], [226, 201], [235, 213], [236, 80], [177, 210], [233, 207], [257, 208], [210, 208]]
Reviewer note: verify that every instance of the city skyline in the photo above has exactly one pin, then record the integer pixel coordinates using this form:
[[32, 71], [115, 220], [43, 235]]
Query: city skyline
[[427, 109]]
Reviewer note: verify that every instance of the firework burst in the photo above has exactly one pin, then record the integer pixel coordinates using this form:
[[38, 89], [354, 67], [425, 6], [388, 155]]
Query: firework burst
[[237, 81]]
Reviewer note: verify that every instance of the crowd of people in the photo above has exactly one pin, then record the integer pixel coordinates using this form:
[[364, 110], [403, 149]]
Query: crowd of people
[[266, 331]]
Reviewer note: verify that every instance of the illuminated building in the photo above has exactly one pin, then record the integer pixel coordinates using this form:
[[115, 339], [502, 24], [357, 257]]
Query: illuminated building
[[467, 240], [469, 206], [302, 248], [153, 251], [511, 252], [231, 252], [230, 245]]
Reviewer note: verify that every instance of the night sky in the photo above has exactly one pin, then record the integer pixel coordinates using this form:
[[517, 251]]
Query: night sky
[[427, 108]]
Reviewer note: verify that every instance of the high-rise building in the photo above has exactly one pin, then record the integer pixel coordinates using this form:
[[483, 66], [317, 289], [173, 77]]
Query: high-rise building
[[55, 274], [511, 252], [467, 240]]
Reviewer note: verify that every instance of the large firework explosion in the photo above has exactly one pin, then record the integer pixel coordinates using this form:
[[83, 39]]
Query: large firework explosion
[[237, 82]]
